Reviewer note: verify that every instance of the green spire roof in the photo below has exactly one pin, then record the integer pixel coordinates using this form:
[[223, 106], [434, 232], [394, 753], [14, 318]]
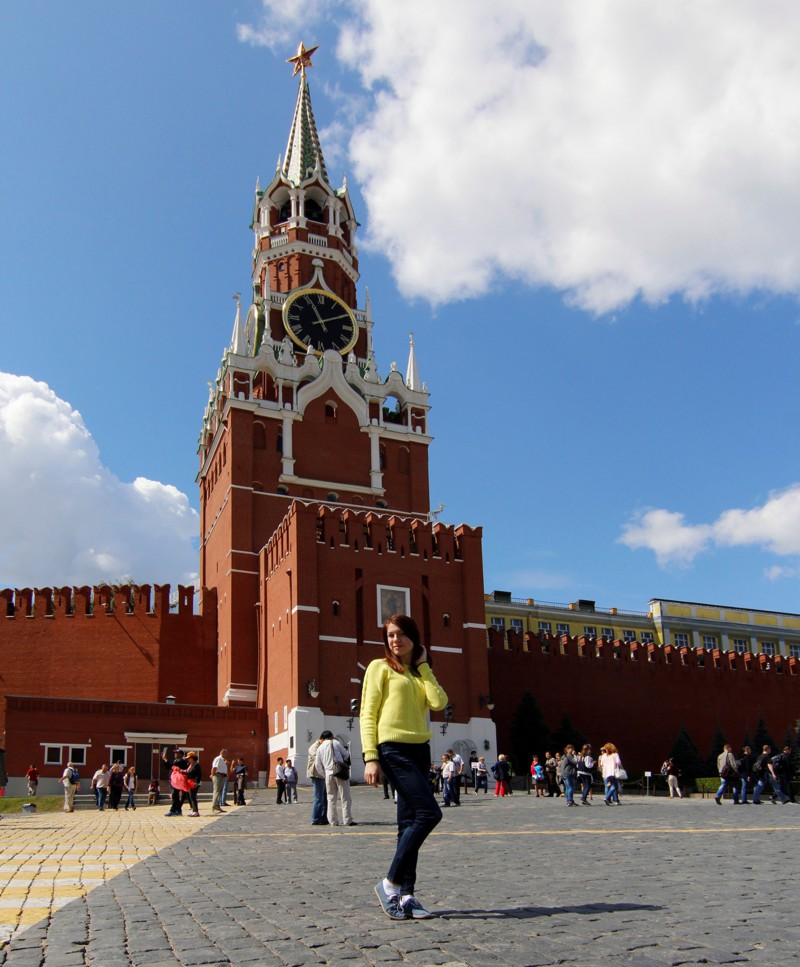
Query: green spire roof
[[303, 152]]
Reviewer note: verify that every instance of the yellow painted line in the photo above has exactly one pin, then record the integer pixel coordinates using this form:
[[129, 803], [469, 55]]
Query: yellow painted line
[[505, 834]]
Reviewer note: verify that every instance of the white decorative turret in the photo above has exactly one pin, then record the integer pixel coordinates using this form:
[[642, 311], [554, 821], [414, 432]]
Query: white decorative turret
[[238, 341], [412, 374]]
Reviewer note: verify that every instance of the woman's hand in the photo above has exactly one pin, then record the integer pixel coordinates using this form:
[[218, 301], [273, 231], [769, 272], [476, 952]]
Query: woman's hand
[[423, 657], [372, 773]]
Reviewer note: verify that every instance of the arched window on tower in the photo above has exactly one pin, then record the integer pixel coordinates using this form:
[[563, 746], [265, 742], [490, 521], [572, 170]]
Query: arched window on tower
[[403, 460], [330, 412], [314, 210], [279, 442], [259, 436], [392, 411], [286, 211], [383, 456]]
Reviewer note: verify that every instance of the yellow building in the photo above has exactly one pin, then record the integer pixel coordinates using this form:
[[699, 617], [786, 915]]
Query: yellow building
[[679, 623]]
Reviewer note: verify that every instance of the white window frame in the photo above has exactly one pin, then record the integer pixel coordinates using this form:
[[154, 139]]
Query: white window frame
[[48, 746], [648, 638], [794, 649], [607, 633], [561, 628], [768, 648], [545, 627], [628, 634], [516, 624], [741, 646], [590, 631], [681, 639], [78, 760], [112, 758], [710, 642], [498, 624]]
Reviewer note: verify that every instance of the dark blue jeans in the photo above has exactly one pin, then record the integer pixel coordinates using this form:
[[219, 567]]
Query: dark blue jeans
[[319, 811], [418, 813]]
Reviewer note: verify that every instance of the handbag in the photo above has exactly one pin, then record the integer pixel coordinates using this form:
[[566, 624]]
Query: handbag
[[342, 771], [622, 775]]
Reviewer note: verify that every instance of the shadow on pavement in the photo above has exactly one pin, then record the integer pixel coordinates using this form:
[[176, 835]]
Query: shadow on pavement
[[528, 913]]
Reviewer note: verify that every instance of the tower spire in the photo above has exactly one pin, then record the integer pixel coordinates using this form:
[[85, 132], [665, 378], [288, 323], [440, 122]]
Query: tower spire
[[303, 153], [412, 373]]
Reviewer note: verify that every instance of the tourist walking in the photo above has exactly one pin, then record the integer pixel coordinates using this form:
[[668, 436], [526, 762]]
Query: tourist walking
[[131, 783], [399, 691], [219, 777], [612, 772]]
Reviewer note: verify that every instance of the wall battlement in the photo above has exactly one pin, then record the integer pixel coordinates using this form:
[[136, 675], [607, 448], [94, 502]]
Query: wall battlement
[[374, 532], [603, 652], [91, 602]]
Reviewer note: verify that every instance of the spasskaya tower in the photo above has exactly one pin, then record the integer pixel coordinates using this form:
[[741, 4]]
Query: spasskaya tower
[[306, 446]]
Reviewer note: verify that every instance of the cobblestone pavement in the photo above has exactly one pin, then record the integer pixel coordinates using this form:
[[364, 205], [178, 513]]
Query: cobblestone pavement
[[517, 882]]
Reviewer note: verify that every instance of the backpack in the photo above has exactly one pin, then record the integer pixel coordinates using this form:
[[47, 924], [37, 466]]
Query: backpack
[[665, 770], [74, 777]]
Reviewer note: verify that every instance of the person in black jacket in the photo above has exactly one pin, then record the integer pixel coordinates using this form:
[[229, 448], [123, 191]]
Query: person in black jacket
[[745, 767]]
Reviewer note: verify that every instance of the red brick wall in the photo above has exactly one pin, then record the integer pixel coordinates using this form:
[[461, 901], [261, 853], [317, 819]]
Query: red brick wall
[[637, 704], [140, 656]]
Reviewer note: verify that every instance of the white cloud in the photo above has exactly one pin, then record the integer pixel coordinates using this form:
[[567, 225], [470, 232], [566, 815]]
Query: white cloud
[[68, 519], [775, 527], [667, 535], [611, 150]]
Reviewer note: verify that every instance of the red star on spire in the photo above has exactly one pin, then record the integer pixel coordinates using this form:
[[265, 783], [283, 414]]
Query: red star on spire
[[302, 59]]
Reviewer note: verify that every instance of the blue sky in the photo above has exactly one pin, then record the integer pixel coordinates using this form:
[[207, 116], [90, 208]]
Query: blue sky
[[587, 214]]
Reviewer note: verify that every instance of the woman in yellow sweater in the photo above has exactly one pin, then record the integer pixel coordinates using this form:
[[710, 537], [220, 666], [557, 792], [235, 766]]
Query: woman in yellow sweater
[[398, 691]]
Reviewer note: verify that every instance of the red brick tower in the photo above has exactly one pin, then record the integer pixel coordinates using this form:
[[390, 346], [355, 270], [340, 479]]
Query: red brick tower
[[315, 507]]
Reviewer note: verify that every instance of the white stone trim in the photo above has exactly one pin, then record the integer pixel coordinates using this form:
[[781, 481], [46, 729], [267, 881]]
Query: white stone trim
[[452, 651], [345, 641], [240, 694], [305, 607]]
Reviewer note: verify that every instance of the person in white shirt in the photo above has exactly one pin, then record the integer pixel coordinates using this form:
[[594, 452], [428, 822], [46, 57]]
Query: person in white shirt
[[290, 778], [100, 783], [70, 787], [219, 776], [333, 759], [280, 780]]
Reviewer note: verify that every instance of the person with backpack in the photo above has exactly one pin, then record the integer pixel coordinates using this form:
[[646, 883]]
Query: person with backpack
[[70, 779], [728, 774], [585, 766], [568, 773], [785, 772], [764, 772]]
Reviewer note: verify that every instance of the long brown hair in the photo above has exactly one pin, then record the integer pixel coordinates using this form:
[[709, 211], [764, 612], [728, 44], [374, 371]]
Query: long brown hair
[[409, 628]]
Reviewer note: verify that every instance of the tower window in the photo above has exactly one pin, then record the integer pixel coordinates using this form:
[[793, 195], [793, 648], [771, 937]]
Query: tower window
[[330, 412], [336, 609], [446, 620], [259, 436], [314, 210], [333, 497], [403, 461], [283, 489]]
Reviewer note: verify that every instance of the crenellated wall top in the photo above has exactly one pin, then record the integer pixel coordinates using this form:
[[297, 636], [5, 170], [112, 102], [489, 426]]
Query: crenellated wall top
[[155, 600], [602, 652]]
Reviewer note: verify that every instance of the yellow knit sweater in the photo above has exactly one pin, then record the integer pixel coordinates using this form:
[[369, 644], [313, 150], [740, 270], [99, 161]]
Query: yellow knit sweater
[[394, 707]]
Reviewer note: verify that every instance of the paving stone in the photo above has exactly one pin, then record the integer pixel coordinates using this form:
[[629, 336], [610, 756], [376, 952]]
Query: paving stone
[[520, 882]]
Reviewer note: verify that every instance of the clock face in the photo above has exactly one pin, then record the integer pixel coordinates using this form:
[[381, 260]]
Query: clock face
[[318, 319]]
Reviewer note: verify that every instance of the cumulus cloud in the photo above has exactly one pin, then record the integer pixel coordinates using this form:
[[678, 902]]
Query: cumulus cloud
[[774, 527], [609, 150], [68, 519]]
